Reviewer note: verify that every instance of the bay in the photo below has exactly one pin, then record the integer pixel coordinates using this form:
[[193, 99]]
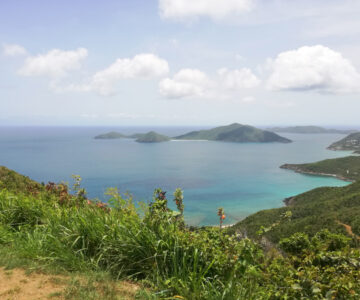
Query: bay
[[241, 178]]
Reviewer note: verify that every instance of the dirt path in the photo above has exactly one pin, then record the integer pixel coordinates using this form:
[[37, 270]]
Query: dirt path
[[348, 230], [16, 284]]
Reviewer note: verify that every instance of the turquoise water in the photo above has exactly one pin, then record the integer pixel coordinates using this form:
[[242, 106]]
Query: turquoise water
[[242, 178]]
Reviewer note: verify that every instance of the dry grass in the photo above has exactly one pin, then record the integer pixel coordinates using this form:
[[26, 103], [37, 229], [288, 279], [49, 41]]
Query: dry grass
[[17, 284]]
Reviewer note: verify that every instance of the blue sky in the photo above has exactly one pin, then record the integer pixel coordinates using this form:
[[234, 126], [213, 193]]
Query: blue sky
[[179, 62]]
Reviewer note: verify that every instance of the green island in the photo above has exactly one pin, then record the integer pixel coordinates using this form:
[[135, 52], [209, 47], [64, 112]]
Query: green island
[[110, 136], [235, 133], [349, 143], [152, 137], [117, 250], [308, 130]]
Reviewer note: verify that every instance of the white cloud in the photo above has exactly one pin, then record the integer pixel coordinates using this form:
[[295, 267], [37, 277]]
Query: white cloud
[[13, 50], [238, 79], [315, 68], [185, 83], [55, 64], [215, 9], [195, 83], [141, 66], [248, 99]]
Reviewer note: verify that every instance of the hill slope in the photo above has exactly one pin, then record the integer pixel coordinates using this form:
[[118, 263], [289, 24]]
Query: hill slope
[[235, 133], [308, 129], [351, 143]]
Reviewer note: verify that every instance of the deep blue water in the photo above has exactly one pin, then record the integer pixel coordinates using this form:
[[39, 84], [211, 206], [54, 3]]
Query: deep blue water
[[242, 178]]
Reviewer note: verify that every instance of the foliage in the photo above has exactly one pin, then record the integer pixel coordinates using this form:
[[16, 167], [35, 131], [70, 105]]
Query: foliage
[[152, 244]]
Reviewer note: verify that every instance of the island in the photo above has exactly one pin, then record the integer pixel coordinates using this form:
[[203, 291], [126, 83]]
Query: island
[[349, 143], [309, 130], [110, 136], [152, 137], [235, 132]]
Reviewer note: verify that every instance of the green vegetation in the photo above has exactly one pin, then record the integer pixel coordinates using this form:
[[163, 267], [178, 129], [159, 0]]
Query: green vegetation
[[308, 129], [110, 136], [345, 168], [349, 143], [152, 137], [66, 232], [235, 133], [322, 208]]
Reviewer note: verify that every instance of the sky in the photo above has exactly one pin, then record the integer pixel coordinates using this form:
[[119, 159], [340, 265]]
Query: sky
[[179, 62]]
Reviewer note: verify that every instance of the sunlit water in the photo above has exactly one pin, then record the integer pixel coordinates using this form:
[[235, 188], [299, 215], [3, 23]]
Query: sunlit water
[[242, 178]]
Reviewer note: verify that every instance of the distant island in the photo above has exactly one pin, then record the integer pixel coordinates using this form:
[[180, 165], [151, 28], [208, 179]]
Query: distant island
[[235, 133], [349, 143], [344, 168], [152, 137], [308, 130], [110, 136]]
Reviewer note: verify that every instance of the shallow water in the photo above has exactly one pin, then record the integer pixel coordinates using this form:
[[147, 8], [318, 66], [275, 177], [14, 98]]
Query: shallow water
[[242, 178]]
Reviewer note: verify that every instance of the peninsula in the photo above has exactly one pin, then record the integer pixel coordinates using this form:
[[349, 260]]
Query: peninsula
[[344, 168], [235, 133]]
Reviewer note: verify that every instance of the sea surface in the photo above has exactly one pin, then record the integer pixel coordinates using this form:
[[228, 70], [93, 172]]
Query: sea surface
[[241, 178]]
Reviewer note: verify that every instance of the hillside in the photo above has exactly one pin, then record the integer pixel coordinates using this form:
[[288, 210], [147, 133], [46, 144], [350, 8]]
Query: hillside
[[308, 130], [152, 137], [110, 135], [235, 133], [14, 181], [349, 143], [345, 168], [312, 211], [56, 231]]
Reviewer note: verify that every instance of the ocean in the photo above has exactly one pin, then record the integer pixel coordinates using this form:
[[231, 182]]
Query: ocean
[[241, 178]]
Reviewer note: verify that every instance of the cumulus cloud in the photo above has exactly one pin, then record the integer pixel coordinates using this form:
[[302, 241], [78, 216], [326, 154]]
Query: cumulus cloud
[[55, 64], [195, 83], [238, 79], [185, 83], [142, 66], [215, 9], [314, 68], [13, 50]]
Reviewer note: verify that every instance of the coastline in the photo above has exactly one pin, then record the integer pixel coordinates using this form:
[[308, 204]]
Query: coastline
[[298, 169]]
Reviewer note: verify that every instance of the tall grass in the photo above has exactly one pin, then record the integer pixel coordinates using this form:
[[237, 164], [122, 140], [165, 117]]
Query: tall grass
[[153, 245]]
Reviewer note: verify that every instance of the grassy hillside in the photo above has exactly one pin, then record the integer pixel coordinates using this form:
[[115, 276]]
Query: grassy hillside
[[347, 168], [234, 133], [15, 182], [64, 231]]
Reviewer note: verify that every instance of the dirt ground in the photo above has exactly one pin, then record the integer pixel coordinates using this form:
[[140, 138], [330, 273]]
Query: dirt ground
[[16, 284]]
